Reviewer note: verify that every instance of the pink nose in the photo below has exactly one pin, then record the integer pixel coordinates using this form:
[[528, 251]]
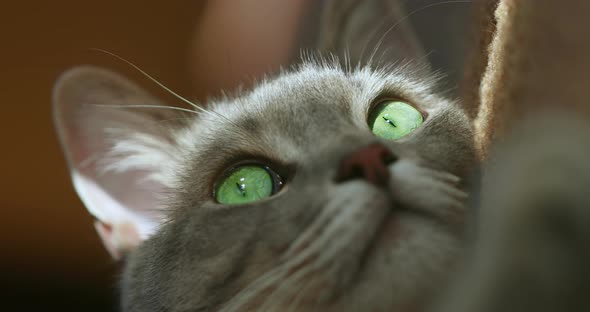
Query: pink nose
[[369, 163]]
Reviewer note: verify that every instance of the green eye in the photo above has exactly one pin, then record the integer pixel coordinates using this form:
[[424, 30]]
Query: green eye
[[246, 184], [392, 120]]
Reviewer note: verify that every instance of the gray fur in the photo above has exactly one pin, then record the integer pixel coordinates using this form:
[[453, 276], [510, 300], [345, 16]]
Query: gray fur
[[209, 256]]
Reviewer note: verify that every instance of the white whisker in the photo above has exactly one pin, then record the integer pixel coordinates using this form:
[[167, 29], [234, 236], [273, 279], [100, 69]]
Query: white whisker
[[154, 80], [254, 289], [147, 106]]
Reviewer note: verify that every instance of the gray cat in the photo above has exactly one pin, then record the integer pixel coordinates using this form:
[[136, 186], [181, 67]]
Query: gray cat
[[330, 187]]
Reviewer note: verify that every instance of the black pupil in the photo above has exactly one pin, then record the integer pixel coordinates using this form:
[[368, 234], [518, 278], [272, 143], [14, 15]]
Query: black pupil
[[242, 188], [389, 122]]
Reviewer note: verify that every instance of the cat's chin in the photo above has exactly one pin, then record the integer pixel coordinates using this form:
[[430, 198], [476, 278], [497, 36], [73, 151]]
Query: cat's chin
[[410, 259], [407, 262]]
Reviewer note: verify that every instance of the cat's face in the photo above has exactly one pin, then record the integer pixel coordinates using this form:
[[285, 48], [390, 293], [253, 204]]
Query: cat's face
[[341, 219], [319, 241]]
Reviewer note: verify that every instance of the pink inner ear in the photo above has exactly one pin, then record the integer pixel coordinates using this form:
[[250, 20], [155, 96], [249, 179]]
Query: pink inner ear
[[118, 239], [110, 211]]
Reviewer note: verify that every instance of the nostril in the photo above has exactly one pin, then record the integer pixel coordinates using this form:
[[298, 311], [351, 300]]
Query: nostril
[[387, 157], [369, 163], [355, 171]]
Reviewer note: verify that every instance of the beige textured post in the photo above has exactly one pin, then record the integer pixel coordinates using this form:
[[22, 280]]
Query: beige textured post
[[538, 57]]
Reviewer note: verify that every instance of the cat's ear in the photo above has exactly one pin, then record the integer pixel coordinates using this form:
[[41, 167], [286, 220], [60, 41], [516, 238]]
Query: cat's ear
[[367, 31], [117, 153]]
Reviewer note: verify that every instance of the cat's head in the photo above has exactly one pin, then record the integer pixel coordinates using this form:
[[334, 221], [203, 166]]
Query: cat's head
[[331, 209], [325, 187]]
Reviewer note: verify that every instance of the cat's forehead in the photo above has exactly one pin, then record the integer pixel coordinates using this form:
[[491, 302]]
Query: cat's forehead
[[302, 111], [328, 86], [313, 93]]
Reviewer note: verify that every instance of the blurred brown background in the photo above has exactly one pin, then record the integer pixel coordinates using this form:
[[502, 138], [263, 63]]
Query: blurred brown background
[[51, 257]]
